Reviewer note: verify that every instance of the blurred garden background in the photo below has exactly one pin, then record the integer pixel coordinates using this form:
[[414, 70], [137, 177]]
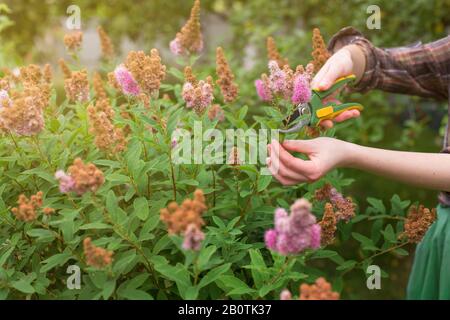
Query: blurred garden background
[[31, 31]]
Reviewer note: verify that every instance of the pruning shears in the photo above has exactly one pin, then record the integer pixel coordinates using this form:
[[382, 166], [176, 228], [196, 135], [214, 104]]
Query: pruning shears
[[314, 112]]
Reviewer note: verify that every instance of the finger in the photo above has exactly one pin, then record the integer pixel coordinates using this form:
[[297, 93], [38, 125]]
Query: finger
[[319, 76], [349, 114], [327, 124], [303, 146], [284, 180], [289, 166]]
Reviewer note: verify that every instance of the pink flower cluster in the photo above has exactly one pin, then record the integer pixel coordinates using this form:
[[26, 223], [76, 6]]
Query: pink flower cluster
[[198, 96], [5, 100], [126, 81], [66, 182], [296, 232], [193, 238], [285, 83]]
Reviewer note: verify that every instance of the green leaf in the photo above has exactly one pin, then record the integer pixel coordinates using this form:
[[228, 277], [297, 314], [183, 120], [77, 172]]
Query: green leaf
[[135, 294], [108, 288], [363, 239], [389, 234], [259, 269], [214, 274], [141, 208], [377, 205], [205, 256], [322, 254], [56, 260], [264, 182], [95, 225], [5, 256], [23, 286], [124, 262], [42, 235], [347, 265], [236, 285]]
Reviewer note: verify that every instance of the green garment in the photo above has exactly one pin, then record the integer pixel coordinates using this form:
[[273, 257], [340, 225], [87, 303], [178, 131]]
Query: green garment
[[430, 275]]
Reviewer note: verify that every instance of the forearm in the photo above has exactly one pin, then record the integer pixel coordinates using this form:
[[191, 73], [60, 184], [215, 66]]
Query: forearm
[[429, 170]]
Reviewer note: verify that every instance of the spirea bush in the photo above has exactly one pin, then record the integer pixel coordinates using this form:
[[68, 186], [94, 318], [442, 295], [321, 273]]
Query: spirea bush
[[90, 184]]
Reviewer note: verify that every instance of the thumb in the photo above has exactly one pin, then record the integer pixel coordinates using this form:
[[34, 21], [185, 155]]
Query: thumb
[[302, 146]]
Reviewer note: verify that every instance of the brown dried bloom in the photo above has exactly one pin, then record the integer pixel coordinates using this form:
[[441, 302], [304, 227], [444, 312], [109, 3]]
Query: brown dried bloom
[[189, 39], [22, 111], [73, 40], [95, 256], [48, 211], [113, 81], [47, 73], [97, 83], [328, 225], [345, 208], [320, 53], [321, 290], [148, 71], [273, 54], [65, 69], [106, 44], [77, 86], [178, 218], [86, 177], [27, 208], [189, 75], [215, 112], [228, 88], [107, 137], [417, 223]]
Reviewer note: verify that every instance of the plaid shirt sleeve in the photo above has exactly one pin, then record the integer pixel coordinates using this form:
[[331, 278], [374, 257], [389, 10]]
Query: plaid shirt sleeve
[[419, 69]]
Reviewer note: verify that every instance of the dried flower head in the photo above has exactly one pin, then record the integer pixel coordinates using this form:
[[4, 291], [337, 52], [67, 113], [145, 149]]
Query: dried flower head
[[320, 53], [27, 209], [65, 69], [47, 73], [22, 110], [178, 218], [273, 54], [97, 83], [77, 86], [320, 290], [199, 94], [106, 44], [215, 112], [95, 256], [80, 178], [189, 39], [48, 211], [418, 221], [345, 208], [148, 71], [108, 137], [189, 75], [328, 225], [73, 40], [296, 232], [226, 78]]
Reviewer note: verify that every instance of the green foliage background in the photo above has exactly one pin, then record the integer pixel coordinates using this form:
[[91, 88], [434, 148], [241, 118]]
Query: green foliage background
[[391, 121]]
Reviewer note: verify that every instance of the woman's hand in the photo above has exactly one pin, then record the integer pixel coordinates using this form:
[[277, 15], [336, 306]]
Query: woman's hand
[[324, 155], [338, 65]]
